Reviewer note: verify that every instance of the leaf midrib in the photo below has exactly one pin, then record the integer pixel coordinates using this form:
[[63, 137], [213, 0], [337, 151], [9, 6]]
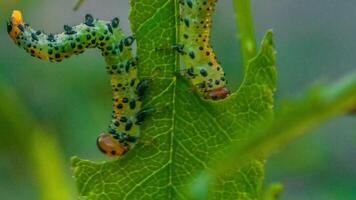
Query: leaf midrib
[[173, 83]]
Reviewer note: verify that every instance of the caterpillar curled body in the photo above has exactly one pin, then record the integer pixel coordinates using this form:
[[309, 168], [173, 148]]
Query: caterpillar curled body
[[202, 67], [127, 89]]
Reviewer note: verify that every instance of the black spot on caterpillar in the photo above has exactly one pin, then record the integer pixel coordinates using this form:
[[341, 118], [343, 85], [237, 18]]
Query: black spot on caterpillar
[[202, 67], [127, 89]]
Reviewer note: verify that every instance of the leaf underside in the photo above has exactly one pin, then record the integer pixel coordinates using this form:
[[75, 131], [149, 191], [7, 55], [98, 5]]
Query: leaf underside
[[186, 133]]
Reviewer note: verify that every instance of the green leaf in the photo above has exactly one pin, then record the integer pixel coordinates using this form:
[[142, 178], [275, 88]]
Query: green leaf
[[187, 133], [34, 145]]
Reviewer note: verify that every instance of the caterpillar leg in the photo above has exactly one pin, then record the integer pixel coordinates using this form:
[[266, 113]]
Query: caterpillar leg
[[179, 48], [142, 114], [176, 47], [141, 88]]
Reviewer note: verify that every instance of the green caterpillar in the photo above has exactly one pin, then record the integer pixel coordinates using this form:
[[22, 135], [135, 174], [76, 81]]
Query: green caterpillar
[[127, 89], [202, 67]]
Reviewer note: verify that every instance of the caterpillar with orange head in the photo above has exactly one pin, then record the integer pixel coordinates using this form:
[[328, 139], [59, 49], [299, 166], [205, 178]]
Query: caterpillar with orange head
[[127, 89], [202, 67]]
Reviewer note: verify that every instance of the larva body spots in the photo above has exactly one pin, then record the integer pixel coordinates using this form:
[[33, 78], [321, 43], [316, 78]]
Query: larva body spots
[[121, 66], [202, 66]]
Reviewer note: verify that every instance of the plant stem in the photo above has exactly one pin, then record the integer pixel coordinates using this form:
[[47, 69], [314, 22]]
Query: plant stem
[[78, 5], [245, 27]]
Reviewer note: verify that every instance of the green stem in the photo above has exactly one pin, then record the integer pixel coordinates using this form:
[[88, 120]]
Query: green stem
[[246, 34], [78, 5]]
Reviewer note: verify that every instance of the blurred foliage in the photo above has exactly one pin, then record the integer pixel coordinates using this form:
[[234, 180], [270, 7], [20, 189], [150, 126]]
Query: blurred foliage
[[38, 147], [73, 97], [78, 5], [48, 167], [272, 192]]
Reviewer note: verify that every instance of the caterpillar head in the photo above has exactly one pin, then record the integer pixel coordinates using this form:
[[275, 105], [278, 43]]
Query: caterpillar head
[[217, 94], [110, 146], [13, 27]]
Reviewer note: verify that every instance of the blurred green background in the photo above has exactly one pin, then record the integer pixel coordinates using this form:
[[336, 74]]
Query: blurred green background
[[52, 111]]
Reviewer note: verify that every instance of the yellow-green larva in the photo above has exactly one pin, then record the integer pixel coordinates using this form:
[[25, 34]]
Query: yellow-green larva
[[121, 66], [202, 67]]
